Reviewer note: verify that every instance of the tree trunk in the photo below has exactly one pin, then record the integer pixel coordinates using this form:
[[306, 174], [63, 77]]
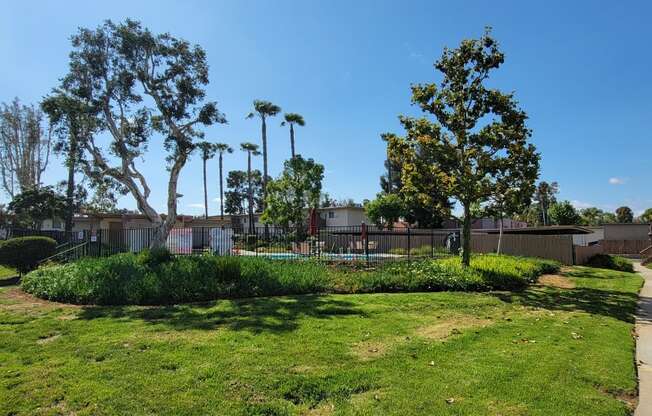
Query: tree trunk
[[264, 132], [221, 192], [250, 195], [70, 190], [500, 235], [205, 193], [292, 139], [466, 235], [163, 227]]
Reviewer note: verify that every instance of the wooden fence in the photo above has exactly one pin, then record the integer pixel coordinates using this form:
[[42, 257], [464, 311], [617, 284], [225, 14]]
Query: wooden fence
[[624, 246], [554, 247], [584, 253]]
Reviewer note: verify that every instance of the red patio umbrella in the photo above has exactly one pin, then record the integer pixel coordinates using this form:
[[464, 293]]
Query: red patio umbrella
[[312, 222]]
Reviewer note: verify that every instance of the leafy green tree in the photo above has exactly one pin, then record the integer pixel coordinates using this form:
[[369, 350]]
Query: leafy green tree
[[385, 210], [476, 135], [252, 150], [207, 151], [563, 213], [595, 216], [264, 109], [32, 206], [135, 83], [71, 121], [513, 187], [624, 215], [24, 147], [292, 119], [221, 149], [545, 196], [296, 190], [236, 195], [646, 216]]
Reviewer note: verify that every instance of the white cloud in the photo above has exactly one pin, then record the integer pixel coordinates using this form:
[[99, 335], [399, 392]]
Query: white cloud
[[196, 206], [616, 181], [581, 204], [215, 200]]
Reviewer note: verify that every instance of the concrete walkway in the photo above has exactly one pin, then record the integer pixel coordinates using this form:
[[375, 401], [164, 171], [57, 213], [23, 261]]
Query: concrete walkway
[[644, 343]]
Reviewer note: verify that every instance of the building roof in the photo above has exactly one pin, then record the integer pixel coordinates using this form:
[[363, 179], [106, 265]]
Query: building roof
[[332, 208], [547, 230]]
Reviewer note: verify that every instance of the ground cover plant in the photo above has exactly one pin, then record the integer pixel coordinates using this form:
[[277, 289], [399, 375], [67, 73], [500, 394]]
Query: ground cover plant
[[563, 347], [608, 261], [158, 278]]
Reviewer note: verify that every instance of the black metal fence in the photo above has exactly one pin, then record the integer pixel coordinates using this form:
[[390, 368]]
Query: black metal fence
[[350, 243]]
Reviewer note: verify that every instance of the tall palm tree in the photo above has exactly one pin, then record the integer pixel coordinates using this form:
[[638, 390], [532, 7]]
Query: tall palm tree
[[207, 152], [222, 148], [264, 109], [292, 119], [252, 150]]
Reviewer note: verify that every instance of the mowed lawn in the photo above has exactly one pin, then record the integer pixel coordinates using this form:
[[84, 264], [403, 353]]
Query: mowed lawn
[[564, 348]]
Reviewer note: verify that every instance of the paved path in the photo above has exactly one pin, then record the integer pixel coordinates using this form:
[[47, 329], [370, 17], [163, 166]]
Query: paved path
[[644, 343]]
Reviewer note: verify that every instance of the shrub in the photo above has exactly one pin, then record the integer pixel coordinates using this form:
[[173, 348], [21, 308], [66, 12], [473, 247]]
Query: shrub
[[150, 279], [25, 253], [154, 257], [607, 261]]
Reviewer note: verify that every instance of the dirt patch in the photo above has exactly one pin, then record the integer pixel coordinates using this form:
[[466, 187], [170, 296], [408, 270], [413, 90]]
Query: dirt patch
[[629, 398], [15, 300], [555, 280], [368, 350], [323, 409], [451, 326]]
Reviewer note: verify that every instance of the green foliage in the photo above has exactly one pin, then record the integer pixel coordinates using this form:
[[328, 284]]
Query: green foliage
[[607, 261], [563, 213], [385, 210], [646, 216], [296, 189], [478, 139], [155, 257], [595, 216], [236, 194], [32, 206], [25, 253], [624, 215], [154, 278]]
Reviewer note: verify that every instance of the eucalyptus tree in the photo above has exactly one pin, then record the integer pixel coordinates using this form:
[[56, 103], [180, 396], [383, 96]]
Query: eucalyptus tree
[[252, 150], [207, 151], [475, 133], [222, 148], [24, 147], [139, 85], [264, 109], [291, 119]]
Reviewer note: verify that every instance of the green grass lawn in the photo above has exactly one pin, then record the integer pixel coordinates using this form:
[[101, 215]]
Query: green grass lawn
[[544, 351]]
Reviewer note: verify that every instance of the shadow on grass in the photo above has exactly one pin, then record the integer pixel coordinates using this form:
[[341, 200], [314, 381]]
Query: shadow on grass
[[273, 314], [613, 304]]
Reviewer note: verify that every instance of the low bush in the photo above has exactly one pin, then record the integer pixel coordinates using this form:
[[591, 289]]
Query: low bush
[[25, 253], [607, 261], [151, 278]]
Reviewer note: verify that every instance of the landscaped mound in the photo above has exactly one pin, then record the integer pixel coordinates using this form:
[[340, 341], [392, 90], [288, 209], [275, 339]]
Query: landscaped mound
[[606, 261], [25, 253], [152, 278]]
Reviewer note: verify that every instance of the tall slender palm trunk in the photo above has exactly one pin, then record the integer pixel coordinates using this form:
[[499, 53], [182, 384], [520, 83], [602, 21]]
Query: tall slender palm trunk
[[264, 134], [250, 194], [205, 193], [221, 191], [292, 139]]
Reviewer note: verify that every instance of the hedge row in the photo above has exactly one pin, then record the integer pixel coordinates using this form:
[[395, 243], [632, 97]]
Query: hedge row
[[152, 278]]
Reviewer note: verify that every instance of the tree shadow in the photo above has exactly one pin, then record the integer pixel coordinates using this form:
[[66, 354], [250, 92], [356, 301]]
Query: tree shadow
[[257, 315], [609, 303]]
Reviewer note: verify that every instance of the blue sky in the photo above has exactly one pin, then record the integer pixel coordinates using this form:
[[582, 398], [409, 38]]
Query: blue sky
[[581, 70]]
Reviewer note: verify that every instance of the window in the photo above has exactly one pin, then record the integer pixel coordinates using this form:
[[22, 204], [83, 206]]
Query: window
[[331, 214]]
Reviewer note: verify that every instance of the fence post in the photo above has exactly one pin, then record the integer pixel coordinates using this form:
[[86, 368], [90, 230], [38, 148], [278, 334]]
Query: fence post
[[99, 243], [409, 245], [432, 243]]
